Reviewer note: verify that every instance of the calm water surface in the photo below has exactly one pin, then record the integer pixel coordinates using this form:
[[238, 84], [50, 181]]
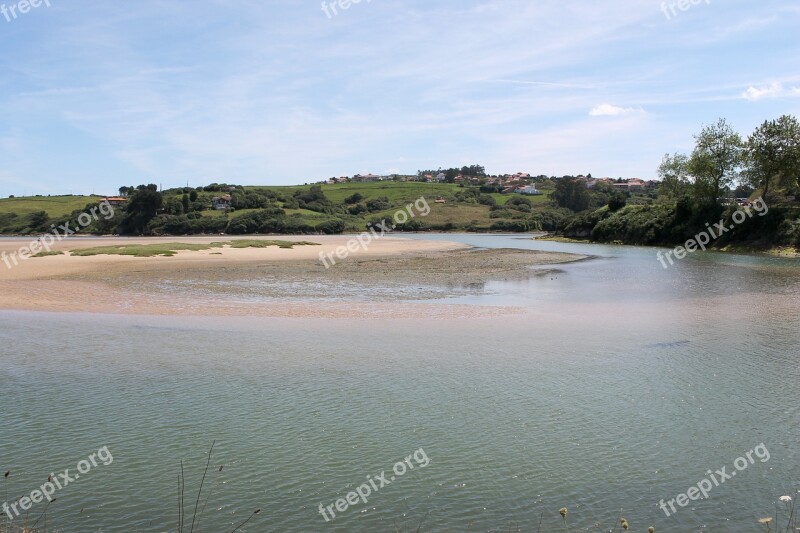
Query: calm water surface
[[621, 385]]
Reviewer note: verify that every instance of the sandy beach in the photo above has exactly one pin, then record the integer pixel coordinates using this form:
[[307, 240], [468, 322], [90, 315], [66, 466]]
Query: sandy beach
[[270, 282]]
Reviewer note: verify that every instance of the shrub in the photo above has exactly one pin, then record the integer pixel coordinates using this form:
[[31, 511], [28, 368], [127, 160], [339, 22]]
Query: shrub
[[516, 226], [331, 227], [485, 199], [378, 204], [354, 199]]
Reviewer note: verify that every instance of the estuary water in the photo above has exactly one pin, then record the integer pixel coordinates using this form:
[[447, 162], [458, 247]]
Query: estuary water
[[616, 385]]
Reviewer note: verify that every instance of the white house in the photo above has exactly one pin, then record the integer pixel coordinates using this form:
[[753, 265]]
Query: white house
[[530, 190], [221, 203]]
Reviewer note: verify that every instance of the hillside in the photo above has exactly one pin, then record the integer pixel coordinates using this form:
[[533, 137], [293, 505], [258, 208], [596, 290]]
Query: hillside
[[347, 207]]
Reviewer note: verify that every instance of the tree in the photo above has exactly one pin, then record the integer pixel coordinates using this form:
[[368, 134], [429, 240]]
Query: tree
[[193, 196], [572, 194], [617, 202], [185, 203], [772, 154], [674, 174], [716, 159], [141, 208]]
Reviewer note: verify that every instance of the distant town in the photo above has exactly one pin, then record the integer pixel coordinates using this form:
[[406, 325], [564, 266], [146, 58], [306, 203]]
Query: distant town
[[521, 182]]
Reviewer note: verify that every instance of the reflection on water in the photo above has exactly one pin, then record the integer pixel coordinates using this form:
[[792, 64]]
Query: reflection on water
[[622, 386]]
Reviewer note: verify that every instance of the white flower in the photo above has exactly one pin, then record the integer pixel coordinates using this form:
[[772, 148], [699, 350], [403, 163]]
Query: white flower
[[785, 499]]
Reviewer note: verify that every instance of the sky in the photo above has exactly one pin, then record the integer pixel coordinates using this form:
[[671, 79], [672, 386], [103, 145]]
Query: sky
[[96, 95]]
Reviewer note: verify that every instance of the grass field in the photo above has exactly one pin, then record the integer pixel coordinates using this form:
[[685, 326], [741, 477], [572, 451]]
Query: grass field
[[56, 206]]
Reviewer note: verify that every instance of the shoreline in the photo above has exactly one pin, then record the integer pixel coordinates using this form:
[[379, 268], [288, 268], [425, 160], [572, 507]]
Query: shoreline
[[271, 282], [774, 251]]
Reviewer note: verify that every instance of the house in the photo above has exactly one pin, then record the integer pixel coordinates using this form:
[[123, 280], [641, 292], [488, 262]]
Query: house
[[220, 203], [635, 185], [366, 178], [115, 201], [441, 177], [440, 200], [530, 190]]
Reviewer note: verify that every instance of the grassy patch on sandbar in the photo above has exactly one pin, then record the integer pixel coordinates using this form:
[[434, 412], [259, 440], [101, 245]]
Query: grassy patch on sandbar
[[170, 249], [255, 243]]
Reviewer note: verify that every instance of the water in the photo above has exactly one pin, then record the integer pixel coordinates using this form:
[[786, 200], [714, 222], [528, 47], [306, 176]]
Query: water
[[621, 385]]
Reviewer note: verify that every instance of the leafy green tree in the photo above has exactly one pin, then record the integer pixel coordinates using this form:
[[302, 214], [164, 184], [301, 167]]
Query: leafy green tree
[[142, 207], [716, 159], [193, 196], [572, 194], [674, 174], [38, 220], [772, 154], [617, 202]]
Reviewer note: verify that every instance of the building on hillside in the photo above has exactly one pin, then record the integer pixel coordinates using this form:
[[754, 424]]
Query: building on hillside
[[366, 178], [530, 190], [220, 203], [115, 201], [636, 185]]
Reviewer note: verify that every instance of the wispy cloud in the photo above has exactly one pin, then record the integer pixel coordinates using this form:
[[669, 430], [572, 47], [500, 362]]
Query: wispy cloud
[[609, 110]]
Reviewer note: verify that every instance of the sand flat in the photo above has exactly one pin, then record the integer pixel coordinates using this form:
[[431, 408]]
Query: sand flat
[[270, 282]]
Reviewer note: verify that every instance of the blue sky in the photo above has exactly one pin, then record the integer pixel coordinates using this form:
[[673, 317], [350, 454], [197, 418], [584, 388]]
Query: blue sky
[[101, 94]]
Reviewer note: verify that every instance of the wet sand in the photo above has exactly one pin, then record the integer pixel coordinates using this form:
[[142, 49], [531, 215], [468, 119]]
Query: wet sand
[[269, 282]]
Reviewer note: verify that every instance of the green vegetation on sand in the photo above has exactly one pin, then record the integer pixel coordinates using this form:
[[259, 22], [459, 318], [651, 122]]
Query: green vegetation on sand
[[170, 249]]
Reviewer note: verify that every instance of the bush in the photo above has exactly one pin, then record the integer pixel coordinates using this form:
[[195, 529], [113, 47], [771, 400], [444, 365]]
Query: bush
[[518, 203], [412, 225], [378, 204], [331, 227], [485, 199], [501, 213], [648, 225], [552, 218], [516, 226]]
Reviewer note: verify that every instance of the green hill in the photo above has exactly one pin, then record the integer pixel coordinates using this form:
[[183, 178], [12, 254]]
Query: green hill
[[347, 206]]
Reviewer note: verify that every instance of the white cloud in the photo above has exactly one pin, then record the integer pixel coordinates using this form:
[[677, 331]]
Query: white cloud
[[608, 110], [773, 90]]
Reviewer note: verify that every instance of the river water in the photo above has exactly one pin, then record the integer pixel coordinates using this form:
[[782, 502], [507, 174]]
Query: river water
[[618, 385]]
